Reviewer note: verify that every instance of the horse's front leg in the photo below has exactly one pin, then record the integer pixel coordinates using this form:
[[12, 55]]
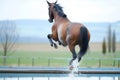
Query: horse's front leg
[[51, 41]]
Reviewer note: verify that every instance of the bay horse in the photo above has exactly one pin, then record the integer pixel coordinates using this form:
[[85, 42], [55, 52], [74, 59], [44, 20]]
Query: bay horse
[[66, 32]]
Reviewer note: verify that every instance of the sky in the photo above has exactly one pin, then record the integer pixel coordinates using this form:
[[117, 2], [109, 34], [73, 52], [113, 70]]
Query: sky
[[76, 10]]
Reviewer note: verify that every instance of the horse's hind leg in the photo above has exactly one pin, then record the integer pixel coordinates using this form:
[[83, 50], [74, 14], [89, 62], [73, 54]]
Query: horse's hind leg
[[74, 55]]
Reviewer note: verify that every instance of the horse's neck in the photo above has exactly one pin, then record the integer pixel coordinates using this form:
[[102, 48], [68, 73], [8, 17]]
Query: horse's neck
[[58, 18]]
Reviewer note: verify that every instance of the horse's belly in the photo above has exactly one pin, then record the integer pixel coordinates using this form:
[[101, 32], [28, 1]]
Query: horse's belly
[[61, 35]]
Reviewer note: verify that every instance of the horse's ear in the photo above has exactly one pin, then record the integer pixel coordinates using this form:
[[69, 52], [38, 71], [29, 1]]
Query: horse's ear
[[56, 1], [48, 3]]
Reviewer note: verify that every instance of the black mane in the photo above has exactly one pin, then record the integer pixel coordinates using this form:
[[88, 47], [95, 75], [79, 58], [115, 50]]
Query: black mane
[[58, 8]]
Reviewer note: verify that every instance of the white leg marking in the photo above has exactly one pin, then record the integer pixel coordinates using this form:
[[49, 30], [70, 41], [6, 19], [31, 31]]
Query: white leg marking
[[74, 66], [60, 33]]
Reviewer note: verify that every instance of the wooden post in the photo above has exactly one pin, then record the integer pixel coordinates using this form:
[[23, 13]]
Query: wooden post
[[18, 61], [32, 61], [49, 62], [4, 60], [118, 63], [114, 63], [99, 63]]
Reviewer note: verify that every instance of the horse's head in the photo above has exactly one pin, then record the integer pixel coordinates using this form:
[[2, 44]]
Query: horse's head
[[51, 10], [55, 8]]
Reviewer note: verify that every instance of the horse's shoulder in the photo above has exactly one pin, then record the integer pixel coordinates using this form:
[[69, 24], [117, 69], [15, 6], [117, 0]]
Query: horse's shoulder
[[54, 27]]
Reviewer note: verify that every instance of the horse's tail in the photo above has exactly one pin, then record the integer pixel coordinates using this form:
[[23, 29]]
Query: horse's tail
[[83, 42]]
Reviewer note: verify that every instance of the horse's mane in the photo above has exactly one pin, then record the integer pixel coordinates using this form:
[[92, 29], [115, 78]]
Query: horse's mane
[[58, 9]]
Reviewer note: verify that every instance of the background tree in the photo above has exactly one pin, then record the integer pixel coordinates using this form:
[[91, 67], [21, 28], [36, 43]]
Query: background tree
[[8, 37], [114, 42], [104, 46], [109, 39]]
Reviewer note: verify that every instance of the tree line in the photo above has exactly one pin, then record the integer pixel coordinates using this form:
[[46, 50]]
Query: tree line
[[111, 41]]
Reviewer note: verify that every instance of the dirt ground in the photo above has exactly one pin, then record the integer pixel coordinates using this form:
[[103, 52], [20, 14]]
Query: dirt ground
[[44, 47]]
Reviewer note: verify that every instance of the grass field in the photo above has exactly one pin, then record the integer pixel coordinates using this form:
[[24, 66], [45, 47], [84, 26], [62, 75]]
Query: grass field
[[44, 55]]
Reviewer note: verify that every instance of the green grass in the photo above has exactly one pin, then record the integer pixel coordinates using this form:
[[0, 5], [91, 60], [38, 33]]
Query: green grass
[[25, 58], [60, 59]]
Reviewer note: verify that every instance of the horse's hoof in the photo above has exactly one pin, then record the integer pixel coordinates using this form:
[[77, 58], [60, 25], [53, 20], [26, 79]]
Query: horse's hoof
[[71, 67], [59, 43], [55, 45], [51, 45]]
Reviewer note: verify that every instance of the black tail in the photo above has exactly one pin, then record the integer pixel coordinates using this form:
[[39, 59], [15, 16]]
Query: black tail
[[83, 41]]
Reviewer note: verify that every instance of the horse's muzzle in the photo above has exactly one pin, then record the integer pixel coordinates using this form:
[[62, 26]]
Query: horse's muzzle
[[50, 20]]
